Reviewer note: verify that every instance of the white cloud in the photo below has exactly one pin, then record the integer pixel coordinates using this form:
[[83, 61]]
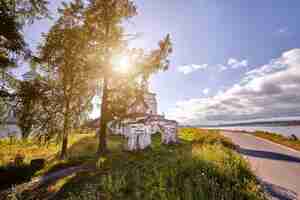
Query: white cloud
[[222, 67], [268, 91], [234, 63], [205, 91], [186, 69], [275, 65]]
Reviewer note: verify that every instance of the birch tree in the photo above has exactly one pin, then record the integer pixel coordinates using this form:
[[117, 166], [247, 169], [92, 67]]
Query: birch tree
[[64, 60]]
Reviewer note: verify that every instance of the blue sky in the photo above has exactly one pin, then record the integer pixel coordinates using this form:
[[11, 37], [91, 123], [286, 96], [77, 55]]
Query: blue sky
[[232, 60]]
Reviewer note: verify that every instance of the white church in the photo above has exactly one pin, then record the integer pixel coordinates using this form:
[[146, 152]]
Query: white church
[[142, 121]]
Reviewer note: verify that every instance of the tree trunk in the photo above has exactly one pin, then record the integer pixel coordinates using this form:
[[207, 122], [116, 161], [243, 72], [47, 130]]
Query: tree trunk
[[102, 147], [64, 147], [63, 153]]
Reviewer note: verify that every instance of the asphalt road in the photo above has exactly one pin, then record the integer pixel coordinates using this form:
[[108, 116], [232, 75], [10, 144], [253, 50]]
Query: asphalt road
[[276, 166]]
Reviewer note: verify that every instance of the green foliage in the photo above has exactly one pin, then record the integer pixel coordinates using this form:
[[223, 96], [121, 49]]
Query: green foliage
[[12, 41], [28, 94], [14, 14]]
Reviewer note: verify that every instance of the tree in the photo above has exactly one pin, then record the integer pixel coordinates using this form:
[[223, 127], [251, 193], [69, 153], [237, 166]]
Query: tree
[[63, 55], [28, 95], [104, 22], [14, 15]]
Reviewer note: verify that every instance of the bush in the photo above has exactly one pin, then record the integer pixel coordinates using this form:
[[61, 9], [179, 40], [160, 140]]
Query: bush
[[12, 175], [37, 164], [18, 173], [201, 136], [293, 137]]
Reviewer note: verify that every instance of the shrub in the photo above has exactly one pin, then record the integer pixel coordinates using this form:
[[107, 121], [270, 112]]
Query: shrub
[[201, 136], [37, 164], [11, 175]]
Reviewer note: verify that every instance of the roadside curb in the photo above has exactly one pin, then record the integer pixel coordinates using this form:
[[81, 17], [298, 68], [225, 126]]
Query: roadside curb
[[250, 134]]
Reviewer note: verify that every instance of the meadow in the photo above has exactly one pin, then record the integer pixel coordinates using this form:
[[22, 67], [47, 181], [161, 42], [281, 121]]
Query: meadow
[[203, 165]]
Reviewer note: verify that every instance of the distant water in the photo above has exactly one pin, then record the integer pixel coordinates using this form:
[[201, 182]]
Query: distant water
[[284, 130]]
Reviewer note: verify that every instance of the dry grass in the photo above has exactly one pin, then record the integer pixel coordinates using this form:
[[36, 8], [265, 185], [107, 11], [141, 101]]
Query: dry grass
[[280, 139]]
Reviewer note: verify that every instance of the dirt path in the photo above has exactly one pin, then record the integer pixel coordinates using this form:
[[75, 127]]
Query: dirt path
[[37, 182], [278, 167]]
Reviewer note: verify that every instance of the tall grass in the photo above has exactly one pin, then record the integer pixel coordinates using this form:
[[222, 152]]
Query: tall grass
[[32, 149], [205, 136], [16, 156]]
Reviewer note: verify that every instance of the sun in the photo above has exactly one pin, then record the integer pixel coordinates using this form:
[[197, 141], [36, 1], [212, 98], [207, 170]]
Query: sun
[[121, 64]]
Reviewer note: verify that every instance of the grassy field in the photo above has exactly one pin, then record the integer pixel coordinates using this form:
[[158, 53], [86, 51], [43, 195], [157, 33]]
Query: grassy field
[[280, 139], [82, 148], [203, 165], [31, 149]]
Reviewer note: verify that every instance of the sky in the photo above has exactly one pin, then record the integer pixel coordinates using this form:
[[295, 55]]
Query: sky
[[232, 60]]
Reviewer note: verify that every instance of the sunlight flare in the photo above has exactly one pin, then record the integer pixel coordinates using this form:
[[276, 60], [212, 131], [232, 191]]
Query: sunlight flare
[[121, 64]]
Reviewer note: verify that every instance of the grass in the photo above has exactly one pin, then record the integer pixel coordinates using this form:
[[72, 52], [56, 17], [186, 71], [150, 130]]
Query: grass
[[205, 136], [280, 139], [81, 149], [30, 149], [203, 165]]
